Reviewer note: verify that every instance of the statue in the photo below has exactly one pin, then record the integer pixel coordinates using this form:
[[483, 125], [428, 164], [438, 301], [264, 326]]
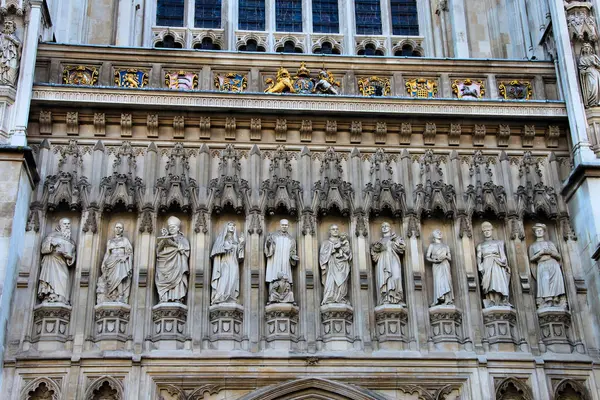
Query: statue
[[547, 272], [280, 249], [334, 259], [386, 254], [10, 48], [326, 84], [589, 75], [438, 254], [58, 254], [280, 290], [172, 269], [117, 268], [283, 83], [493, 266], [226, 253]]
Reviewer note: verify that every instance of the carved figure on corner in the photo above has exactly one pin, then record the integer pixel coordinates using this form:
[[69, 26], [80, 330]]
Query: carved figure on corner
[[10, 49], [280, 290], [116, 270], [280, 250], [547, 271], [334, 259], [58, 255], [227, 252], [172, 263], [589, 75], [493, 266], [438, 254], [386, 255]]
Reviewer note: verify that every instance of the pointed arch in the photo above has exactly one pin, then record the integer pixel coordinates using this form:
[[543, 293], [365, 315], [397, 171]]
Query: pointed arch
[[52, 389], [113, 383], [316, 387], [509, 387], [569, 389]]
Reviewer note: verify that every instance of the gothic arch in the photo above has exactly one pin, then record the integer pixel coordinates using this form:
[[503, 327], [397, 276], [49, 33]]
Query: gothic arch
[[113, 383], [313, 388], [510, 388], [568, 389], [38, 384]]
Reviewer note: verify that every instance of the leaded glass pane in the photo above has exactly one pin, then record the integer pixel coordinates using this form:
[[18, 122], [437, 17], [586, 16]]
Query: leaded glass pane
[[169, 12], [368, 17], [288, 15], [325, 16], [404, 17], [252, 15], [207, 14]]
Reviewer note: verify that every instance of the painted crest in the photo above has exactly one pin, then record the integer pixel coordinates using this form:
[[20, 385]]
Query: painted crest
[[421, 88], [516, 90], [231, 82], [131, 78], [374, 86], [468, 89], [181, 80], [303, 83], [81, 75]]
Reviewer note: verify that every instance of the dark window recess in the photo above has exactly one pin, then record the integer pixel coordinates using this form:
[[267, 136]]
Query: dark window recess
[[251, 15], [326, 17], [326, 48], [288, 15], [405, 20], [370, 50], [252, 45], [368, 17], [207, 14], [289, 47], [169, 12], [407, 51], [207, 44], [168, 42]]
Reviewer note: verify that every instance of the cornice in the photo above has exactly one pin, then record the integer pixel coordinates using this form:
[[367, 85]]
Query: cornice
[[166, 99]]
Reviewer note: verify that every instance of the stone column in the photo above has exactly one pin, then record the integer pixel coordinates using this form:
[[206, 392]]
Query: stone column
[[459, 28], [125, 23]]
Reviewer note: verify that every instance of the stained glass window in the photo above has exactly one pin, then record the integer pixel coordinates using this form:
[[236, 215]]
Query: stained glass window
[[404, 17], [368, 17], [169, 12], [207, 14], [288, 15], [326, 18], [252, 15]]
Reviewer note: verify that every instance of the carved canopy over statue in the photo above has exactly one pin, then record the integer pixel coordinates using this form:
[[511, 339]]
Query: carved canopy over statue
[[58, 255], [546, 270], [227, 252], [114, 283], [388, 268], [493, 266], [172, 268], [334, 259]]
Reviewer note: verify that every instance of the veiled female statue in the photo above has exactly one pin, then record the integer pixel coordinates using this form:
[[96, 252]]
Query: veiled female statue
[[546, 270], [438, 254], [227, 252], [493, 266], [386, 254], [334, 259], [117, 267], [589, 75], [172, 268]]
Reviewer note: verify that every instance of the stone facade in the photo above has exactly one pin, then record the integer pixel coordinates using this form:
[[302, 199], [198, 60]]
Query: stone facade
[[163, 161]]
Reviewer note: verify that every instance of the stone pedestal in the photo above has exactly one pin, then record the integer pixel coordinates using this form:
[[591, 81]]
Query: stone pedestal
[[282, 325], [446, 327], [336, 322], [555, 326], [226, 325], [51, 325], [500, 328], [391, 321], [111, 322], [169, 325]]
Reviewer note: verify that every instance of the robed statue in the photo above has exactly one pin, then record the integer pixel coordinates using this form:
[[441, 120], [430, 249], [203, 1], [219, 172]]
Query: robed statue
[[58, 255], [114, 283], [334, 260], [494, 269], [388, 268], [172, 263], [438, 254], [589, 75], [227, 252], [280, 250], [546, 270]]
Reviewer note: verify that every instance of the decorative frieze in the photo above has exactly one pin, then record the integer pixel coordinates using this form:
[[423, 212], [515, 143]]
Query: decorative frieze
[[552, 135], [306, 129], [72, 121], [355, 132], [429, 134], [405, 133], [331, 131], [126, 125], [479, 135], [503, 135], [152, 125], [281, 129], [528, 135], [255, 129], [454, 134], [380, 133], [45, 122], [178, 127], [99, 124], [204, 128]]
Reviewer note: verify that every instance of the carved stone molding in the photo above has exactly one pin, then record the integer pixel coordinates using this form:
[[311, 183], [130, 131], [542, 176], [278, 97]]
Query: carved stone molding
[[105, 388], [446, 327], [169, 320], [282, 325], [177, 188], [332, 191], [226, 321], [512, 388], [555, 327], [500, 327], [111, 321], [337, 326], [391, 322], [50, 324], [228, 190], [280, 191]]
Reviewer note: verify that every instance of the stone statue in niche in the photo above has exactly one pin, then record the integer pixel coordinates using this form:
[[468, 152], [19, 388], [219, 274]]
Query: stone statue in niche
[[280, 250], [114, 283], [280, 290], [386, 255], [227, 252], [546, 270], [172, 263], [58, 254], [493, 266], [589, 75], [10, 48], [438, 254], [334, 259]]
